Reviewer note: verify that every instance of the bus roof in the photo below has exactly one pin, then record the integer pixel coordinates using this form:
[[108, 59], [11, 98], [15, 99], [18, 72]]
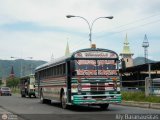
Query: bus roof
[[53, 62], [71, 56], [27, 76]]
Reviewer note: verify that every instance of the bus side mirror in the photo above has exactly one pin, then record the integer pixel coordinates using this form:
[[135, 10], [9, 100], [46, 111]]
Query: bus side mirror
[[123, 64], [72, 71]]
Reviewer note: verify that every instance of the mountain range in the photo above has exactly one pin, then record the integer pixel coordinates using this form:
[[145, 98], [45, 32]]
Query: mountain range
[[21, 67], [141, 60]]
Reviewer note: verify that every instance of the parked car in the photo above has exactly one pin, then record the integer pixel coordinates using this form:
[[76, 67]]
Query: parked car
[[5, 91]]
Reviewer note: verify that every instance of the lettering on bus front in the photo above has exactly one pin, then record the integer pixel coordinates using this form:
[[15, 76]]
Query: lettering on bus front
[[95, 54], [96, 67], [94, 72]]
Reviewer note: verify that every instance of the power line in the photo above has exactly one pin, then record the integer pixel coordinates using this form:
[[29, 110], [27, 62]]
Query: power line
[[79, 43], [122, 31], [138, 20], [142, 25], [133, 22]]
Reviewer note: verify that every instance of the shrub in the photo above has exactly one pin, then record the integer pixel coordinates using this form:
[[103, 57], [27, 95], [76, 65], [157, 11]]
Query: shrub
[[139, 96]]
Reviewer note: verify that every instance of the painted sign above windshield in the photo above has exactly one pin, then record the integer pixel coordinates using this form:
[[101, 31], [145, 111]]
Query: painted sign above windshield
[[95, 54]]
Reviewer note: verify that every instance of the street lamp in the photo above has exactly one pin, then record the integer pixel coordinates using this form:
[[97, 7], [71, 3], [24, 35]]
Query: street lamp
[[31, 64], [21, 63], [90, 25]]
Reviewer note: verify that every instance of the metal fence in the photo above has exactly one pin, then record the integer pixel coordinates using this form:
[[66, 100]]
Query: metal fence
[[155, 87], [132, 85], [139, 85]]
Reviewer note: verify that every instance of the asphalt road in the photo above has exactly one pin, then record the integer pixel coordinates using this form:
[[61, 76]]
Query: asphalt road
[[32, 109]]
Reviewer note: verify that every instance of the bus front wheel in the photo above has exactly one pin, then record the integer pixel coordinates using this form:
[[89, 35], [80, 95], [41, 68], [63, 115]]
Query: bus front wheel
[[63, 101], [104, 106]]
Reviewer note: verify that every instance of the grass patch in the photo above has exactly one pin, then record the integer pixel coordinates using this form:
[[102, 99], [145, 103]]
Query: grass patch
[[15, 90], [140, 97]]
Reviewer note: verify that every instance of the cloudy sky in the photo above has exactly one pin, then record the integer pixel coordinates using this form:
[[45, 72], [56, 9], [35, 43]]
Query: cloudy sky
[[39, 28]]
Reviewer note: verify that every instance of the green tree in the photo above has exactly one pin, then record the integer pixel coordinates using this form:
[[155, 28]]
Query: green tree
[[1, 82], [12, 82]]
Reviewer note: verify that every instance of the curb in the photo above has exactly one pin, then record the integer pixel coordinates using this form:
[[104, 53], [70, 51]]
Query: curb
[[155, 105], [140, 104]]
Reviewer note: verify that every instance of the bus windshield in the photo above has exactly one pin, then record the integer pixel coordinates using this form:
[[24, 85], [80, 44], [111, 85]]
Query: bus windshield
[[96, 67], [32, 80]]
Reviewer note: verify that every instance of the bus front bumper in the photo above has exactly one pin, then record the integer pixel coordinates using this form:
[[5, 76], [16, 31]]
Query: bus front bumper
[[96, 99]]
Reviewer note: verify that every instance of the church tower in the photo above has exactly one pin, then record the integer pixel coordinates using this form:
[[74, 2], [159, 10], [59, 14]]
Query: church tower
[[126, 53], [12, 72], [67, 52]]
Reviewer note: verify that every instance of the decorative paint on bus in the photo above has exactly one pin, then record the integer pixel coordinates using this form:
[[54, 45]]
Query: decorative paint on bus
[[95, 89]]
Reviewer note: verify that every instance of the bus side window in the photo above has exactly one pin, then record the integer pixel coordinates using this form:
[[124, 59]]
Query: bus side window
[[64, 69]]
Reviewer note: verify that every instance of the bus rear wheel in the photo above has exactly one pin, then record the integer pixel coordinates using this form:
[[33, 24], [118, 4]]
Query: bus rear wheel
[[63, 101], [23, 96], [104, 106]]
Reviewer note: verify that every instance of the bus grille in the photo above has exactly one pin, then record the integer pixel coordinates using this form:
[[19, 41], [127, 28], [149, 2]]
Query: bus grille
[[97, 88]]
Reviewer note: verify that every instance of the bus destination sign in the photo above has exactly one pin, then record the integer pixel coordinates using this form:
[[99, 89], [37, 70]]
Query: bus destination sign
[[95, 54]]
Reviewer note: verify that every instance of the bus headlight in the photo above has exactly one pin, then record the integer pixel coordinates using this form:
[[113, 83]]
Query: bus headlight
[[79, 87], [115, 85]]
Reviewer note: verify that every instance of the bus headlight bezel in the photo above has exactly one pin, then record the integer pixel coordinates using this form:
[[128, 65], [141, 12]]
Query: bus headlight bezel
[[79, 88]]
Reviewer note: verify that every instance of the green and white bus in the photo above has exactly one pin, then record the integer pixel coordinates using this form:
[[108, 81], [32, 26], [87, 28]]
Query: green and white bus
[[86, 77]]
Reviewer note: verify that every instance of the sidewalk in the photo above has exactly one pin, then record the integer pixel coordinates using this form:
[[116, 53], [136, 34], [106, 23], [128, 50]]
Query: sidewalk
[[140, 104]]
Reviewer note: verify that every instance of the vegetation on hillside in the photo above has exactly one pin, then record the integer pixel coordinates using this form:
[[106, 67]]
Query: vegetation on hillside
[[140, 60], [20, 66], [0, 82]]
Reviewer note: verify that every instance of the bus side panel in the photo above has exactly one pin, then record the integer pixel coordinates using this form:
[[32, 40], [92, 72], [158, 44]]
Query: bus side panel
[[51, 88]]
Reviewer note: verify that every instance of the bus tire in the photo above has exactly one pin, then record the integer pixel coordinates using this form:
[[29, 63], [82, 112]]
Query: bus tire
[[30, 95], [23, 95], [63, 100], [49, 102], [104, 106]]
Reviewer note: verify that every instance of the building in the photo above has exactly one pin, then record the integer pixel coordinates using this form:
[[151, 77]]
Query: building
[[126, 53]]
